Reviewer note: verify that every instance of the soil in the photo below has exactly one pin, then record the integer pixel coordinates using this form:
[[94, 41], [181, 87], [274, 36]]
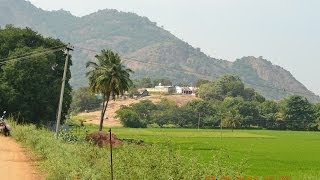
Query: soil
[[14, 162], [102, 139]]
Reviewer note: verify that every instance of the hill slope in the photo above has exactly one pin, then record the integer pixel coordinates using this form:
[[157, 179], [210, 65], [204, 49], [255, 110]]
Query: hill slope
[[150, 50]]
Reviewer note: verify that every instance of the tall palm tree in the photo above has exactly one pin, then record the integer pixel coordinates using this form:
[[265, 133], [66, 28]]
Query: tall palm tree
[[109, 77]]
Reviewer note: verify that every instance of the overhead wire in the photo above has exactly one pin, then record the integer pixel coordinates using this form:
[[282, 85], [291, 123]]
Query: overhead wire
[[30, 54]]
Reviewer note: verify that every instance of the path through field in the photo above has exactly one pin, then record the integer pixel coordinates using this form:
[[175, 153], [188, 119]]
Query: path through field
[[14, 164]]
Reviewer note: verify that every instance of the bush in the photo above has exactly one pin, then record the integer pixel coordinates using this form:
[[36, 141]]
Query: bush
[[130, 118]]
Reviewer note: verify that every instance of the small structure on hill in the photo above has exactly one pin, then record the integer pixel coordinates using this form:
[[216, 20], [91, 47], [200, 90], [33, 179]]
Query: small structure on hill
[[162, 89], [185, 90], [142, 93]]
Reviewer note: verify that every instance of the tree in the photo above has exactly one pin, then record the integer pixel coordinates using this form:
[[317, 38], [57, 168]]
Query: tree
[[250, 94], [232, 119], [298, 113], [227, 86], [165, 112], [144, 83], [129, 118], [316, 124], [230, 112], [32, 82], [84, 99], [201, 81], [109, 77], [144, 109], [268, 111], [202, 111]]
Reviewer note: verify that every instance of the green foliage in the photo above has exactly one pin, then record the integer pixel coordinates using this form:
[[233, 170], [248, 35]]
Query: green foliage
[[31, 84], [109, 77], [143, 83], [144, 108], [228, 86], [201, 81], [83, 99], [136, 115], [226, 102], [298, 112], [129, 118]]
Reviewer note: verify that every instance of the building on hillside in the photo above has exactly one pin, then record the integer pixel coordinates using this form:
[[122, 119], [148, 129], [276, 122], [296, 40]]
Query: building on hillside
[[162, 89], [143, 93], [185, 90]]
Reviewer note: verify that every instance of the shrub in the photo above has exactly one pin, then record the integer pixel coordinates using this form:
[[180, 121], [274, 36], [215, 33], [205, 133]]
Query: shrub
[[130, 118]]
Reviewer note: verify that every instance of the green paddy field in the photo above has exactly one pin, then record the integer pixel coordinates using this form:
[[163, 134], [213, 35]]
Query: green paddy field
[[268, 153]]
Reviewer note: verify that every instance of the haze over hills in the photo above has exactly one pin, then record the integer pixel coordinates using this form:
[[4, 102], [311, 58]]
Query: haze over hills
[[149, 50]]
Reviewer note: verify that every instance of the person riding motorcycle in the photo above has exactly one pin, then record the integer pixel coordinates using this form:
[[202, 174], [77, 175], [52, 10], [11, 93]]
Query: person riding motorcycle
[[4, 128]]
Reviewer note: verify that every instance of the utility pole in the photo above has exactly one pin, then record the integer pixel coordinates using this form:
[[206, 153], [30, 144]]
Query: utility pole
[[68, 48], [221, 129], [199, 122], [111, 163]]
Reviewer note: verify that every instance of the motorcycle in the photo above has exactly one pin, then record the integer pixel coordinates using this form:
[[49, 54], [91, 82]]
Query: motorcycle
[[4, 127]]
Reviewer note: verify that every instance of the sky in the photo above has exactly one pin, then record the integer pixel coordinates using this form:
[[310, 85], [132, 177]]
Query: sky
[[285, 32]]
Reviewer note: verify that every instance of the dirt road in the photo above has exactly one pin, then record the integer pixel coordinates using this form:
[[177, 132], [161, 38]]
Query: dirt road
[[14, 164]]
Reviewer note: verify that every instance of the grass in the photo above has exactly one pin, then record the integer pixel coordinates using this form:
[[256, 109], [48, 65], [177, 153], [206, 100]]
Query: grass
[[60, 159], [269, 153]]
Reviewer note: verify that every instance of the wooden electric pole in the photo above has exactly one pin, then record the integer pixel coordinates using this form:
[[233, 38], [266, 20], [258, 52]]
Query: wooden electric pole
[[68, 48]]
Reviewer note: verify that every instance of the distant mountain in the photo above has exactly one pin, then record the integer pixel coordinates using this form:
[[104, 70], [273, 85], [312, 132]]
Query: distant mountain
[[148, 49]]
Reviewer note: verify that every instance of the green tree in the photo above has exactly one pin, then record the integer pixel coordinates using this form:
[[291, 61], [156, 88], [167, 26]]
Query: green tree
[[144, 109], [230, 112], [201, 81], [298, 113], [250, 94], [316, 124], [31, 79], [231, 119], [109, 77], [130, 118], [165, 113], [144, 83], [268, 111], [227, 86], [203, 111], [84, 99]]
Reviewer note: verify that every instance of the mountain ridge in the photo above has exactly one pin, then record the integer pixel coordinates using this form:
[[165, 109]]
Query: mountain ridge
[[137, 38]]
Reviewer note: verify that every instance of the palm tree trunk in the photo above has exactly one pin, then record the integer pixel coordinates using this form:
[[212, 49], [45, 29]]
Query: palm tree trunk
[[106, 98]]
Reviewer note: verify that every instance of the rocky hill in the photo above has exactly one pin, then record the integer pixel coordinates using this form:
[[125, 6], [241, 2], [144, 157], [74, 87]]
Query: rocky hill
[[148, 49]]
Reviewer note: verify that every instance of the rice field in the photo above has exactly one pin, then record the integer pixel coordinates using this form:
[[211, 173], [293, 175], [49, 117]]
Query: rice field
[[267, 153]]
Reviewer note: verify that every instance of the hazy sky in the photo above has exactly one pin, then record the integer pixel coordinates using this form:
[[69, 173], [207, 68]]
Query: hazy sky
[[286, 32]]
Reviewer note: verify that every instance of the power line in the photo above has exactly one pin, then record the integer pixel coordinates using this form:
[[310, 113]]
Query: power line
[[34, 53]]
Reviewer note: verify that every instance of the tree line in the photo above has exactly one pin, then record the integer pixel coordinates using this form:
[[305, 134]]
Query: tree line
[[227, 103]]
